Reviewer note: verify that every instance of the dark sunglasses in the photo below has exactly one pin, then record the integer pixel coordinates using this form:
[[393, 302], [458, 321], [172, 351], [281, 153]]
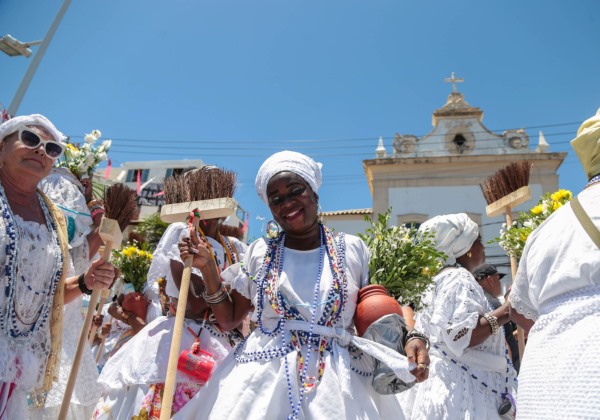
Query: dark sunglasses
[[32, 140]]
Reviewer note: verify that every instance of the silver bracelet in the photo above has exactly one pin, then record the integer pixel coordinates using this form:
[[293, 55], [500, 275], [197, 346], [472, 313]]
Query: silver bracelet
[[416, 335], [493, 321], [217, 297]]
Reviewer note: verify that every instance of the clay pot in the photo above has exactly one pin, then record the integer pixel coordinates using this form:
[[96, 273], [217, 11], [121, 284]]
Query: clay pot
[[374, 302], [136, 303]]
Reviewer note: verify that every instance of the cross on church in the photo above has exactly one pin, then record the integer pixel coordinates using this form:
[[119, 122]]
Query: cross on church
[[454, 80]]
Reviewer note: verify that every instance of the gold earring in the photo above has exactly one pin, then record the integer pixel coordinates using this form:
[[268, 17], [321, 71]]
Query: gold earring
[[469, 255]]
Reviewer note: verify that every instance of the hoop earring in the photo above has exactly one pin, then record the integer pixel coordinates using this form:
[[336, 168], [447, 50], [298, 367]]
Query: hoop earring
[[273, 229], [469, 254]]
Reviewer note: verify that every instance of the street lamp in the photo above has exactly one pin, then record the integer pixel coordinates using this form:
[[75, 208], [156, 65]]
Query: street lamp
[[35, 62], [14, 47]]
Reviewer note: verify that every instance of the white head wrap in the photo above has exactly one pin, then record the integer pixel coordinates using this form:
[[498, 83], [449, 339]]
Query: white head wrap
[[287, 161], [454, 234], [12, 125], [587, 145]]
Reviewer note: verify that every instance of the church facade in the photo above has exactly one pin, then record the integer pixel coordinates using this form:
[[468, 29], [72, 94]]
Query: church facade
[[442, 172]]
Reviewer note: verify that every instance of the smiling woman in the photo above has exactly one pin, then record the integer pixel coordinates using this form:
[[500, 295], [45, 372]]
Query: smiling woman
[[34, 261], [304, 359]]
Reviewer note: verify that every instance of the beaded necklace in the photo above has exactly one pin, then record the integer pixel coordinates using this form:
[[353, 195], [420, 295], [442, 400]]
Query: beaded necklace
[[267, 281], [9, 320], [592, 181]]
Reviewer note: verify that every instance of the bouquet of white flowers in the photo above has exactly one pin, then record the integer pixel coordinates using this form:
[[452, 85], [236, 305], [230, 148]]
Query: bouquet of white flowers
[[81, 160]]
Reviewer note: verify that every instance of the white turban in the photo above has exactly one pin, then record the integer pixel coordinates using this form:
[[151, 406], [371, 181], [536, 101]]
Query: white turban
[[12, 125], [453, 234], [287, 161]]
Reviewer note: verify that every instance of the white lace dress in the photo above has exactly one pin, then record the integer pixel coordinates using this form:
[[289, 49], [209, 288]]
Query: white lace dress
[[259, 381], [62, 190], [464, 383], [558, 286], [23, 359], [133, 378]]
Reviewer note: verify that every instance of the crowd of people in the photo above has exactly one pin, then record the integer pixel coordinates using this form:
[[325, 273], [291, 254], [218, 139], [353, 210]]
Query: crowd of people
[[301, 357]]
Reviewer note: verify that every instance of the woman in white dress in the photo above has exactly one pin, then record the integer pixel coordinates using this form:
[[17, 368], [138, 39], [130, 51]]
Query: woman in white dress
[[67, 192], [133, 378], [303, 360], [34, 257], [557, 290], [471, 375]]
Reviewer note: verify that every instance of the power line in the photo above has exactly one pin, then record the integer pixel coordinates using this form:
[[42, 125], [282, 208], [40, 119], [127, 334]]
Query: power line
[[374, 138]]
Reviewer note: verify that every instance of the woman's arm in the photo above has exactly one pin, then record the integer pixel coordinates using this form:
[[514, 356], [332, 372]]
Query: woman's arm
[[483, 330], [521, 320], [233, 308], [99, 275]]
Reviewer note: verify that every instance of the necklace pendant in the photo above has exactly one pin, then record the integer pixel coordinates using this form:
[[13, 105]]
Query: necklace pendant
[[504, 407]]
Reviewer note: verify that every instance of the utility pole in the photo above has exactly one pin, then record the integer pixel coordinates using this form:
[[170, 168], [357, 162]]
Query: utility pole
[[35, 62]]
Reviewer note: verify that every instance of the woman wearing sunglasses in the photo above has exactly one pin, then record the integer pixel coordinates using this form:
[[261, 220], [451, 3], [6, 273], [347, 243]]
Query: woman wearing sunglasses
[[33, 262]]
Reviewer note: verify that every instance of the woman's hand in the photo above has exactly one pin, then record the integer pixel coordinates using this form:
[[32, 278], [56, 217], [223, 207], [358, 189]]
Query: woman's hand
[[416, 352], [105, 330], [198, 249], [100, 275]]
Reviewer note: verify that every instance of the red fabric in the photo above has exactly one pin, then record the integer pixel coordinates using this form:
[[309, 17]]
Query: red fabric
[[6, 390], [139, 181], [108, 166]]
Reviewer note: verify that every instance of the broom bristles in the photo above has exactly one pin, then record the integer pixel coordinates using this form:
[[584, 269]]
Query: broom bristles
[[120, 204], [506, 180], [200, 184]]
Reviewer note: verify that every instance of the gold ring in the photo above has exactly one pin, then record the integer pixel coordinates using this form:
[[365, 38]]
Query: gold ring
[[423, 365]]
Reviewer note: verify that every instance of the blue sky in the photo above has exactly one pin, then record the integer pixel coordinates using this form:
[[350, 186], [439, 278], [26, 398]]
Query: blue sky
[[231, 82]]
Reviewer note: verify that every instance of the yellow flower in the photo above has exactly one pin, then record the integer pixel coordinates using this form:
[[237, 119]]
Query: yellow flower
[[537, 210], [556, 205], [561, 195], [129, 251]]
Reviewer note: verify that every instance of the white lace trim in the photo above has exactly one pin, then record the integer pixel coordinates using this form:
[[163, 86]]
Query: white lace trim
[[23, 359], [519, 304]]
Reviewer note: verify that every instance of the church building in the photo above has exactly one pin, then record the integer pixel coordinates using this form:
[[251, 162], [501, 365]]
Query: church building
[[442, 172]]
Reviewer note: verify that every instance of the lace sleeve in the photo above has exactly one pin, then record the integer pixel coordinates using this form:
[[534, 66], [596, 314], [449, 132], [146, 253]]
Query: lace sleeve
[[520, 299], [73, 206], [457, 306]]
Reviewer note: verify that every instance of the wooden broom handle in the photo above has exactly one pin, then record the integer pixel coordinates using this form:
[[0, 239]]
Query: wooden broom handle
[[83, 336], [170, 382], [513, 270], [103, 296], [110, 319]]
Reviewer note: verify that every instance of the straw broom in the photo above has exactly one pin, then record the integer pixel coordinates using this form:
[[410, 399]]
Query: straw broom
[[208, 192], [120, 205], [503, 191]]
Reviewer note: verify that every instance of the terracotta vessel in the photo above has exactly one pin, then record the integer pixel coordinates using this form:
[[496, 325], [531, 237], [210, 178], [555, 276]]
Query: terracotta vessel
[[374, 302]]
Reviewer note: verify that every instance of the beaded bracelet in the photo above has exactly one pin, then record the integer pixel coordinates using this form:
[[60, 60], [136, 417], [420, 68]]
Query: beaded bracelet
[[217, 297], [82, 286], [416, 335], [493, 321], [97, 211], [94, 202]]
